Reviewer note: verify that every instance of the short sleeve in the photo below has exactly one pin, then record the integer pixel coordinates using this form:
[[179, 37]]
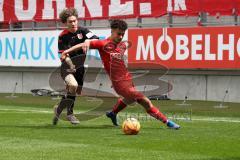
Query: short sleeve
[[96, 44], [89, 34]]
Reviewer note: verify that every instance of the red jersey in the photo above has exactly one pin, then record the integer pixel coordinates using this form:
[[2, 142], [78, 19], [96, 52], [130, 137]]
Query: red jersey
[[112, 56]]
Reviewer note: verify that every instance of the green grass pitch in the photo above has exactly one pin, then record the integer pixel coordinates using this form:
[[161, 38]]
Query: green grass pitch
[[206, 133]]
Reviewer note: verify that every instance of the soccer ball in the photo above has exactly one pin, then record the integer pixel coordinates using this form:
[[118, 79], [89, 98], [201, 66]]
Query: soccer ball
[[131, 126]]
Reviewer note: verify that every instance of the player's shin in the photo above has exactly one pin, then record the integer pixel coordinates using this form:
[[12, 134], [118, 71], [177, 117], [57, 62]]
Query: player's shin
[[119, 106], [65, 102], [70, 107], [154, 112]]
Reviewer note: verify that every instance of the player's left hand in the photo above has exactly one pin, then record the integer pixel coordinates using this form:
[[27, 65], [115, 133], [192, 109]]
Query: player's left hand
[[63, 56]]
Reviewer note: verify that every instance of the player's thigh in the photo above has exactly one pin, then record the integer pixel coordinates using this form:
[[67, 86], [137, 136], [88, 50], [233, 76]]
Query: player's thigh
[[71, 83], [127, 90]]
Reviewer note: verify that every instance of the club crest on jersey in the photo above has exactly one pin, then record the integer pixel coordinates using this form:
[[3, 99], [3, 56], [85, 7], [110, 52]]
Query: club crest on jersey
[[80, 36], [110, 47]]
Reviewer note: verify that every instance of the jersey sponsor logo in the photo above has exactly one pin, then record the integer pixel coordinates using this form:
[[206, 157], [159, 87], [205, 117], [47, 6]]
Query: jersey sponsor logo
[[116, 55]]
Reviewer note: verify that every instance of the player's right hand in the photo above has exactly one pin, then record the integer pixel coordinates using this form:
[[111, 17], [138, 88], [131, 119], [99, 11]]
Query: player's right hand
[[85, 46]]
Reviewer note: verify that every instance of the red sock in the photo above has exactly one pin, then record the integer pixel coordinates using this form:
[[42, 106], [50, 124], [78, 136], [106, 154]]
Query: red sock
[[120, 105], [154, 112]]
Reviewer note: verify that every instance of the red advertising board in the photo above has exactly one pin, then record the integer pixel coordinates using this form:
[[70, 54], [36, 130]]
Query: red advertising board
[[188, 48], [40, 10]]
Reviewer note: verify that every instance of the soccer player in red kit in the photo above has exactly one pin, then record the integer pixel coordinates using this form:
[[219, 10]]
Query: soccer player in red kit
[[112, 54]]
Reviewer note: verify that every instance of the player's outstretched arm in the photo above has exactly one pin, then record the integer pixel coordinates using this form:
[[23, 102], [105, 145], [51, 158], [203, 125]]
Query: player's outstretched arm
[[74, 48]]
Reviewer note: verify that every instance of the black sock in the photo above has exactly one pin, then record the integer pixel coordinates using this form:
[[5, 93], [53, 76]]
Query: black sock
[[65, 102]]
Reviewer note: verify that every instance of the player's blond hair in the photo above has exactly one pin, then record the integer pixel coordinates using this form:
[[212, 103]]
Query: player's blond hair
[[67, 12]]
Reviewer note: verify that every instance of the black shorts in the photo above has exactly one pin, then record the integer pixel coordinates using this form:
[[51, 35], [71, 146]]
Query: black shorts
[[79, 75]]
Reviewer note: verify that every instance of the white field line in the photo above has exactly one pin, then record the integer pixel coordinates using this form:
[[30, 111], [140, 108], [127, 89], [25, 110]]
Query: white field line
[[26, 110], [209, 119], [195, 118], [32, 111], [217, 119]]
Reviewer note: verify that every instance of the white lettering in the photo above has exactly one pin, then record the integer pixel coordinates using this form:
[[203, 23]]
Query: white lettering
[[161, 55], [227, 47], [145, 8], [48, 11], [180, 5], [181, 45], [170, 7], [196, 47], [116, 8], [1, 11], [141, 48], [94, 7], [208, 55], [79, 6], [25, 14], [238, 47]]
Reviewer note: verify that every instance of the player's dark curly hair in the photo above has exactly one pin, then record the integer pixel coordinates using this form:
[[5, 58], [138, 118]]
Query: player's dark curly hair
[[118, 24], [68, 12]]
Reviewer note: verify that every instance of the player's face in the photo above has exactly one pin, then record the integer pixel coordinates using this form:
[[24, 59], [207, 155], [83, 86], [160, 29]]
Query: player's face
[[117, 35], [72, 24]]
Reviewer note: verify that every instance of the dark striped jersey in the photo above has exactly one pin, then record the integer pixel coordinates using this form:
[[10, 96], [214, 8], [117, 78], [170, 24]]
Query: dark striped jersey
[[67, 39]]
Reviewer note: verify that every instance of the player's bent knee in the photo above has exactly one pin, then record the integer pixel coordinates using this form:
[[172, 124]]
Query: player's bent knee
[[145, 102], [72, 89], [128, 101], [79, 90]]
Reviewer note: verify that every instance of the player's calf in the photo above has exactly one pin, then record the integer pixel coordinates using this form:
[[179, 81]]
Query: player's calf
[[56, 115]]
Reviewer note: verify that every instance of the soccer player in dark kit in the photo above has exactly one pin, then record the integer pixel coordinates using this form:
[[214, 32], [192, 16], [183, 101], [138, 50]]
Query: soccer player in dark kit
[[112, 54], [72, 68]]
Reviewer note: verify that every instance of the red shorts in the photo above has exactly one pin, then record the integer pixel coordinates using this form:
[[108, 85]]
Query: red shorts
[[126, 89]]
